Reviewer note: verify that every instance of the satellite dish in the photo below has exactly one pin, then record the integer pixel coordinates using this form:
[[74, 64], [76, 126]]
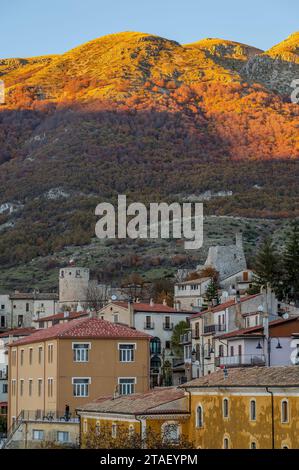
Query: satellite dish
[[285, 316], [113, 297], [260, 308]]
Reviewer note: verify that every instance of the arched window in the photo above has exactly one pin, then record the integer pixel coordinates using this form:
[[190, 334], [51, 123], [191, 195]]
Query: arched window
[[155, 362], [225, 408], [253, 445], [170, 432], [199, 417], [284, 411], [252, 410], [226, 443], [155, 346]]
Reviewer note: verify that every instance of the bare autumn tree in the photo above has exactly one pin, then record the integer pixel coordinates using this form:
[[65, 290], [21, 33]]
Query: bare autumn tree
[[101, 438], [96, 295]]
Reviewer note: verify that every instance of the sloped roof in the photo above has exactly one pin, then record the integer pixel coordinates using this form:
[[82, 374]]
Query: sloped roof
[[17, 332], [87, 328], [143, 307], [138, 403], [258, 328], [282, 376], [34, 296], [61, 316], [220, 307]]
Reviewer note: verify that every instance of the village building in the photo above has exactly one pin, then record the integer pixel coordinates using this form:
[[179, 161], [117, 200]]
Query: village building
[[59, 318], [190, 295], [245, 408], [162, 411], [57, 369], [159, 321]]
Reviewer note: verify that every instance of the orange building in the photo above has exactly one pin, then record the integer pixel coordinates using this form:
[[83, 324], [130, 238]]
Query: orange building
[[57, 369]]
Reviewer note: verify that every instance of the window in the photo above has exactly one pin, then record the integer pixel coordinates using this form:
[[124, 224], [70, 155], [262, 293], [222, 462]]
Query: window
[[240, 350], [62, 436], [148, 322], [38, 435], [225, 408], [2, 321], [115, 318], [167, 345], [2, 307], [167, 323], [81, 386], [155, 362], [253, 445], [114, 430], [170, 432], [20, 320], [50, 353], [252, 410], [22, 357], [30, 385], [21, 387], [199, 417], [50, 387], [5, 388], [40, 354], [27, 307], [221, 350], [155, 346], [30, 355], [284, 411], [13, 387], [126, 385], [13, 357], [39, 387], [225, 443], [126, 352], [231, 350], [81, 352]]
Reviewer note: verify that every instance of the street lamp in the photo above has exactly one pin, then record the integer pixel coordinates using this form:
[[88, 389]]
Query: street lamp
[[278, 346]]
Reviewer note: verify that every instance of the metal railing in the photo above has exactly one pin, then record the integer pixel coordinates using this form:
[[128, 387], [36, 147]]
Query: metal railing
[[49, 416], [149, 326], [216, 328], [186, 338], [168, 326], [243, 360]]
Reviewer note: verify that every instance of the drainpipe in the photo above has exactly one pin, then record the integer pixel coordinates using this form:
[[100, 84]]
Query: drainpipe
[[272, 418]]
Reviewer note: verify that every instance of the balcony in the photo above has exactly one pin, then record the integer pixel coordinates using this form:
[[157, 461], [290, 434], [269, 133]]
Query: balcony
[[195, 334], [149, 325], [49, 416], [168, 326], [213, 329], [239, 361], [186, 338]]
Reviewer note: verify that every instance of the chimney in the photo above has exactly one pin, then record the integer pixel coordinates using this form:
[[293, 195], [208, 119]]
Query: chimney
[[239, 240], [152, 302], [131, 312], [164, 302], [66, 314]]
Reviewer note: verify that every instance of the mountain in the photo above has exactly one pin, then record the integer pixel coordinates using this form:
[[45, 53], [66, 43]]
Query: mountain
[[143, 115]]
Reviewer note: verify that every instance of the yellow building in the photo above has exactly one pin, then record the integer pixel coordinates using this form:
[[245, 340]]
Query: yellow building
[[243, 408], [160, 413], [57, 369]]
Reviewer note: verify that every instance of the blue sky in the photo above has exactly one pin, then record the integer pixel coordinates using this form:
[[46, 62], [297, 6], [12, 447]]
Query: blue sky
[[38, 27]]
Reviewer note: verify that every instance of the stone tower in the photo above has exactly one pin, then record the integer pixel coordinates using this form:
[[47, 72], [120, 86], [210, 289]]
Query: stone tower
[[73, 286], [227, 260]]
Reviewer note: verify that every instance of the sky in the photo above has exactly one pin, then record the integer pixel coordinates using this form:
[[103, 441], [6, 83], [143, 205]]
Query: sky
[[40, 27]]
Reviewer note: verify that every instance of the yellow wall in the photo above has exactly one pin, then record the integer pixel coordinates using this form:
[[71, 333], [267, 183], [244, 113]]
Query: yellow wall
[[238, 427]]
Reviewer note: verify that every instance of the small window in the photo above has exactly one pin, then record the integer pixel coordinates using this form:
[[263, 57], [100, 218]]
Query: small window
[[39, 386], [20, 320], [30, 385], [40, 354], [126, 386], [167, 344], [21, 387], [253, 445], [115, 318], [126, 352], [50, 387], [62, 436], [50, 353], [199, 417], [38, 435], [22, 357], [114, 430], [253, 410], [81, 352], [225, 443], [13, 387], [284, 411], [225, 408], [30, 355], [171, 433], [81, 387]]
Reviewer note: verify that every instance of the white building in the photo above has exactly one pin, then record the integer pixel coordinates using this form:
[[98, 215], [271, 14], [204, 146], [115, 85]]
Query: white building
[[189, 295]]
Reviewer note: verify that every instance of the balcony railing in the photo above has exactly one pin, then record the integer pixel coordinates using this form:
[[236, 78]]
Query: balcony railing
[[149, 326], [243, 360], [213, 329], [195, 334], [168, 326], [49, 416], [185, 338]]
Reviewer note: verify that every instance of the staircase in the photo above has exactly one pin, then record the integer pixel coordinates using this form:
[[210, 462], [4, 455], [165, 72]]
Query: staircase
[[12, 430]]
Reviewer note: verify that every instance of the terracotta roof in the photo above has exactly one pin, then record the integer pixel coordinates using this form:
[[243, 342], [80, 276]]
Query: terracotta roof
[[258, 328], [282, 376], [87, 328], [225, 305], [61, 316], [17, 332], [138, 403], [143, 307], [34, 296]]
